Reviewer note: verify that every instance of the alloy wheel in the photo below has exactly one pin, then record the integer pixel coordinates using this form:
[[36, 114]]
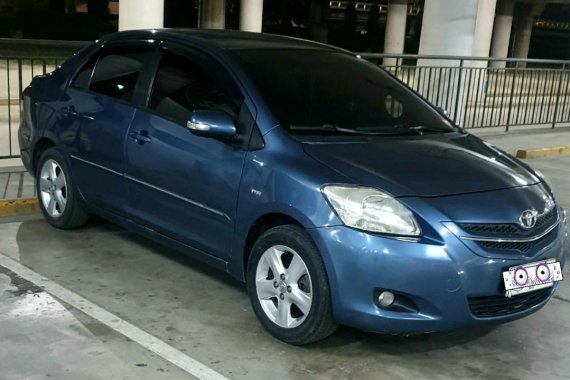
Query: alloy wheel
[[53, 188], [284, 287]]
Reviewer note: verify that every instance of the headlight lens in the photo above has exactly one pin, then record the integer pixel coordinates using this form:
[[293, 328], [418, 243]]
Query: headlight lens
[[371, 210]]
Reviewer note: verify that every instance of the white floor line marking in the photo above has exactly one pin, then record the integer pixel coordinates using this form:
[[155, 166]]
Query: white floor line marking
[[146, 340]]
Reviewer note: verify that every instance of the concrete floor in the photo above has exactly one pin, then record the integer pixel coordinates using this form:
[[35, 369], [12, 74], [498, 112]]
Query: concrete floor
[[205, 314]]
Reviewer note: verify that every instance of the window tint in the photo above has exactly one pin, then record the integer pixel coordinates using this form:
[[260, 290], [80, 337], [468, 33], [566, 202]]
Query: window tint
[[81, 80], [117, 71], [181, 87], [312, 88]]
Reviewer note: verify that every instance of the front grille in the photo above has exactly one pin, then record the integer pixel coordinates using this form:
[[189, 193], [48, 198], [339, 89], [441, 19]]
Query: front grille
[[545, 220], [503, 237], [508, 229], [522, 247], [497, 306], [511, 229]]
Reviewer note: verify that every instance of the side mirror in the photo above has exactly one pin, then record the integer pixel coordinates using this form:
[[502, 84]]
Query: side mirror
[[442, 111], [211, 123]]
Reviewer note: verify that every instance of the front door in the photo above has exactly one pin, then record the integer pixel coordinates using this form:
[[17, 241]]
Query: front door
[[182, 185]]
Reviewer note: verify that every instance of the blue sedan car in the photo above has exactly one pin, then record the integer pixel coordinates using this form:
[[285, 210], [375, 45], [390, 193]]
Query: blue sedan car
[[339, 195]]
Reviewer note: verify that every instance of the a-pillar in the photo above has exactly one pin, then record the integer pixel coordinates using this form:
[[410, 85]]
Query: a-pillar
[[395, 29], [136, 14], [502, 32], [212, 14], [526, 13], [251, 15]]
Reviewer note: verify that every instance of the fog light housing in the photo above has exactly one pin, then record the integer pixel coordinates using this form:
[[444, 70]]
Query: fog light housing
[[386, 299], [390, 300]]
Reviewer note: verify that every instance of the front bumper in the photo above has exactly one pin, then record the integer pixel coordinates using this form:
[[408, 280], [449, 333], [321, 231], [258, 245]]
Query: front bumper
[[438, 277]]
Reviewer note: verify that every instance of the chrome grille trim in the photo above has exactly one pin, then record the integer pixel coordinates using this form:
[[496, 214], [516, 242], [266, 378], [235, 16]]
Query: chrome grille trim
[[509, 229], [514, 240]]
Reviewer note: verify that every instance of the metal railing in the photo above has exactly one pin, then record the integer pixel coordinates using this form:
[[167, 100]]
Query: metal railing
[[487, 92], [477, 92], [15, 74], [20, 61]]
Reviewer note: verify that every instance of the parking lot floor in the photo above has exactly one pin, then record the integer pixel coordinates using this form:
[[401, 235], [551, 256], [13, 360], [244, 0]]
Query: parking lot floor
[[206, 315]]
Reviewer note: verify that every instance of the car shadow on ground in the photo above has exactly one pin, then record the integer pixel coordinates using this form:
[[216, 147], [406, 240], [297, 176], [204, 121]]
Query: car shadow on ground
[[391, 344], [345, 336], [386, 343]]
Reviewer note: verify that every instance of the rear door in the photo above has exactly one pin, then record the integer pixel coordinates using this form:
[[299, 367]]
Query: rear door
[[183, 185], [96, 117]]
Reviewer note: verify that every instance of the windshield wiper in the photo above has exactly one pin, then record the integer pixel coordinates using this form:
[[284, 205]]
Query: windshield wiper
[[421, 129], [333, 128], [397, 129]]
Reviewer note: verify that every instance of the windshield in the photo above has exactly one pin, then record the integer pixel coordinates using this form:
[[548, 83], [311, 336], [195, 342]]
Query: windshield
[[331, 91]]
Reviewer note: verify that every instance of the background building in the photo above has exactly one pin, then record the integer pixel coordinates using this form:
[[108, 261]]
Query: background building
[[498, 28]]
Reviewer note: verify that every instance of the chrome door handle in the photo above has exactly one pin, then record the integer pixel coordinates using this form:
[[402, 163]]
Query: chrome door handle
[[73, 113], [140, 137]]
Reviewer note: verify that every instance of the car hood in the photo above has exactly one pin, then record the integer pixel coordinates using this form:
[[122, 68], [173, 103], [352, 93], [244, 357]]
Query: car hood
[[429, 165]]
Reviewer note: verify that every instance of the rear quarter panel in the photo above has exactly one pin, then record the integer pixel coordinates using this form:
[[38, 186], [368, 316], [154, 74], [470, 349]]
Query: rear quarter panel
[[42, 107]]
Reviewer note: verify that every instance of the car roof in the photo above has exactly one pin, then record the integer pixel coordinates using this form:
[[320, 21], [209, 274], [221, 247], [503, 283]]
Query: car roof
[[225, 39]]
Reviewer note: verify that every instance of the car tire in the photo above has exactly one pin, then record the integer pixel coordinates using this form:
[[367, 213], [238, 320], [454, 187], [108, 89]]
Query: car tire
[[57, 195], [294, 305]]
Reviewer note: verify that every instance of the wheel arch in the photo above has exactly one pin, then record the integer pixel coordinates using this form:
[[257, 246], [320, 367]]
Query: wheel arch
[[40, 146], [259, 226]]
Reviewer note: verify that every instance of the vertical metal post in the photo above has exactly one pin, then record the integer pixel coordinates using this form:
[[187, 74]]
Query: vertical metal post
[[512, 96], [9, 108], [458, 92], [397, 66], [20, 89], [558, 95]]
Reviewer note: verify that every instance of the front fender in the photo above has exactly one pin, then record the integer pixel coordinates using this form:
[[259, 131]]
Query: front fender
[[288, 185]]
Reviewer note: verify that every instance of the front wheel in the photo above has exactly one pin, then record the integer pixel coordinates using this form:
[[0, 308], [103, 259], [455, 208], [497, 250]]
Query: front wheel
[[57, 197], [288, 286]]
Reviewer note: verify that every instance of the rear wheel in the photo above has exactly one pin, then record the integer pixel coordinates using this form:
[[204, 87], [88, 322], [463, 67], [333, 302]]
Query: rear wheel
[[57, 197], [288, 286]]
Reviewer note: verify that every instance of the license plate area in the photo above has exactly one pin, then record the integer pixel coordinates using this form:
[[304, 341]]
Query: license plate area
[[530, 277]]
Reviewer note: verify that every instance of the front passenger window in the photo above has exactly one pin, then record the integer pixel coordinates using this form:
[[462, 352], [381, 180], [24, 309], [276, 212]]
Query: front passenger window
[[182, 87]]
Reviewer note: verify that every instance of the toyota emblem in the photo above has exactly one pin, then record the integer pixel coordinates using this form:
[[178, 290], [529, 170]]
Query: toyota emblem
[[527, 220]]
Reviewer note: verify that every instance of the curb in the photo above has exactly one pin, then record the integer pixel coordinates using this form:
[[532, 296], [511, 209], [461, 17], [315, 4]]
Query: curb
[[545, 152], [17, 207]]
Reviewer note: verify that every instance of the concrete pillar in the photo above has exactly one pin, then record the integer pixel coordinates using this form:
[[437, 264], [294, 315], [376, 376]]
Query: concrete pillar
[[483, 30], [136, 14], [71, 6], [395, 29], [251, 15], [502, 31], [449, 28], [319, 20], [212, 14], [526, 13]]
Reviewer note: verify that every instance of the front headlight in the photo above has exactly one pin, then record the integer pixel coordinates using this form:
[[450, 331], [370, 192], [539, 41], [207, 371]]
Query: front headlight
[[371, 210]]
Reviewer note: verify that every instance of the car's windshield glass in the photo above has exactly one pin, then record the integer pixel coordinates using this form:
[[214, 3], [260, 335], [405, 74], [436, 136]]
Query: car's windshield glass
[[330, 92]]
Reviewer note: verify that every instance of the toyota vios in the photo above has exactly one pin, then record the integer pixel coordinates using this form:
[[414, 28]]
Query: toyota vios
[[335, 192]]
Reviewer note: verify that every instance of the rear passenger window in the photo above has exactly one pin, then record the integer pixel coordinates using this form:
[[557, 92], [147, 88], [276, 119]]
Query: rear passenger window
[[117, 71], [81, 80], [181, 87]]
